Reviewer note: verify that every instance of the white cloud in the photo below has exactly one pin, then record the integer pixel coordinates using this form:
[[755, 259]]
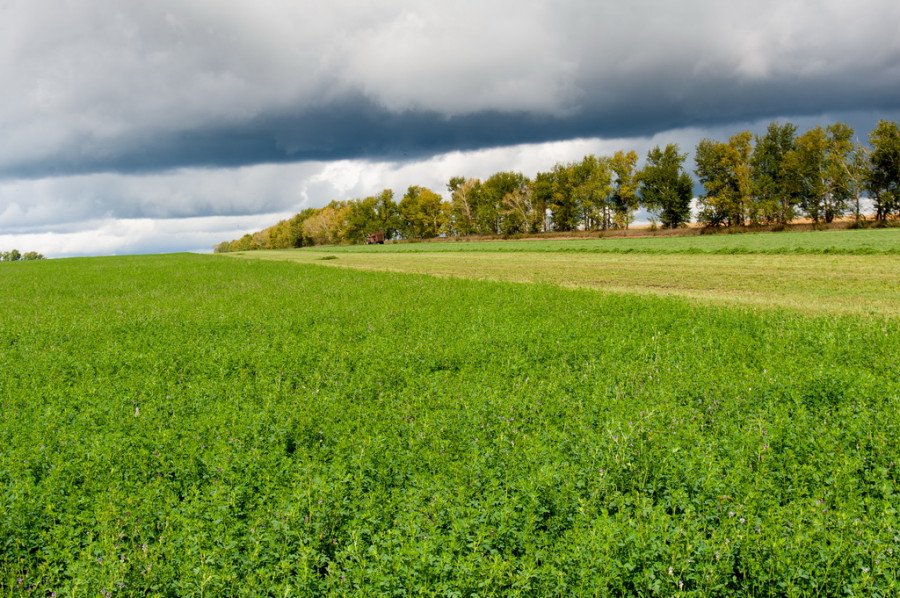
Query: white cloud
[[119, 236], [189, 192]]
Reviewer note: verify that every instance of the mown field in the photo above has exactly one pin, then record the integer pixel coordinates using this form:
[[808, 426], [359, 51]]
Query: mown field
[[202, 425], [842, 242], [848, 272]]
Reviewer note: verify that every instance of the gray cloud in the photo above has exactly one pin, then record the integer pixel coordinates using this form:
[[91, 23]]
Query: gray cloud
[[103, 86], [171, 125], [36, 205]]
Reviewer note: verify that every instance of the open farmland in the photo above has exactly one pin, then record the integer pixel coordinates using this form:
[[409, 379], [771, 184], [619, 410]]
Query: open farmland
[[842, 242], [202, 425], [854, 272]]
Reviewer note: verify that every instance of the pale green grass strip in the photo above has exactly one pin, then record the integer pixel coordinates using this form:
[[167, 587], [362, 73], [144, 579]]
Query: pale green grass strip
[[816, 284]]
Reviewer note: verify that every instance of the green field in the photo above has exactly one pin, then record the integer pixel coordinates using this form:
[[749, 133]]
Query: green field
[[202, 425], [842, 242], [835, 272]]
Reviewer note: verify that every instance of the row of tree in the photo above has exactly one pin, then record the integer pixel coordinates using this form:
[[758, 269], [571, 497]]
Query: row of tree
[[821, 174], [15, 255], [773, 178]]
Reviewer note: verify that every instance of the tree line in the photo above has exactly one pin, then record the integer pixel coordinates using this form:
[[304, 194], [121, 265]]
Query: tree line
[[769, 179], [14, 255]]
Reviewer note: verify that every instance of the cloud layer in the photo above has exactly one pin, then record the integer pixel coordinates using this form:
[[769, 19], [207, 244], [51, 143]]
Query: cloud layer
[[224, 115], [99, 85]]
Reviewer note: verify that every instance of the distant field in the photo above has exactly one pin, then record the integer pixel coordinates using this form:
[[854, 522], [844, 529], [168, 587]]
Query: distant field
[[198, 425], [840, 272], [865, 241]]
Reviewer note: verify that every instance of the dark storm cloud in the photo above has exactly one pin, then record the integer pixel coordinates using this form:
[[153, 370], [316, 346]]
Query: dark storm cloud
[[100, 86], [346, 129], [360, 128]]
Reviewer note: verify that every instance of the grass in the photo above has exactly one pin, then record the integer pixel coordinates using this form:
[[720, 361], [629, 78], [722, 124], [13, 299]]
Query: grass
[[828, 282], [196, 425], [841, 242]]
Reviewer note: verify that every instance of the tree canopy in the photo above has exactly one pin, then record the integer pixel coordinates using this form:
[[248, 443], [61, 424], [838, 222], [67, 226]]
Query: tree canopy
[[14, 255], [665, 187], [883, 178], [769, 179]]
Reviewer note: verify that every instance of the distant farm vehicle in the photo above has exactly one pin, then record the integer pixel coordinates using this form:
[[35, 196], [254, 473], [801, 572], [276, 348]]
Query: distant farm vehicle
[[376, 238]]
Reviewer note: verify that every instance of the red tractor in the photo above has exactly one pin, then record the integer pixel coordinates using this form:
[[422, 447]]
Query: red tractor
[[376, 238]]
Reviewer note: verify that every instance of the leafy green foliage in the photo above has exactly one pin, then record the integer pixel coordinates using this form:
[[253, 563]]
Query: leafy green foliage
[[422, 214], [803, 167], [665, 187], [188, 425], [504, 205], [775, 203], [292, 232], [840, 172], [592, 181], [14, 255], [624, 200], [884, 172], [563, 201], [819, 171], [464, 199], [724, 170], [376, 213]]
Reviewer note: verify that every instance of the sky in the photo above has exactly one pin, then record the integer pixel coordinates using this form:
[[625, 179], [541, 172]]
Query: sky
[[145, 127]]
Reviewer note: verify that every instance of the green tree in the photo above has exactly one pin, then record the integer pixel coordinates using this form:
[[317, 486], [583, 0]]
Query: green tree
[[289, 233], [423, 215], [520, 214], [858, 171], [883, 179], [372, 214], [563, 203], [491, 211], [804, 168], [624, 196], [713, 173], [591, 182], [818, 171], [665, 188], [387, 214], [244, 243], [328, 226], [362, 219], [724, 171], [292, 232], [773, 203], [542, 196], [464, 195], [838, 171], [295, 225]]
